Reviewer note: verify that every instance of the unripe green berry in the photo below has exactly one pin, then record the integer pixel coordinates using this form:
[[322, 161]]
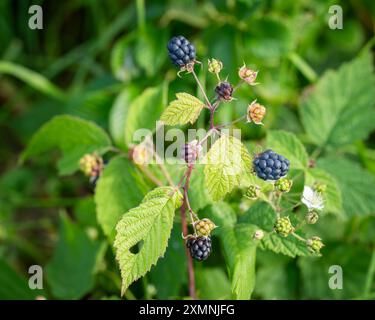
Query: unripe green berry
[[320, 187], [315, 244], [283, 226], [312, 217], [215, 66], [283, 185], [204, 227], [252, 192]]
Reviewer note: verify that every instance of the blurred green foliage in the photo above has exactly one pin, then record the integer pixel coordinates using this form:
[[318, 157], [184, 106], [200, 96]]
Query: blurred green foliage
[[99, 60]]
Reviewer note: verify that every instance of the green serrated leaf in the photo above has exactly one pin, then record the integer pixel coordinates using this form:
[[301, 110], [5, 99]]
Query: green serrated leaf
[[357, 185], [332, 195], [213, 284], [120, 188], [143, 112], [260, 214], [290, 246], [226, 162], [147, 227], [198, 194], [13, 286], [183, 110], [341, 108], [240, 255], [73, 136], [289, 146], [70, 273], [222, 214], [354, 261]]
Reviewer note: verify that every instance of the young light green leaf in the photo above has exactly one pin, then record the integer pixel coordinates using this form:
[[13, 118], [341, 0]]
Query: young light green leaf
[[332, 195], [341, 108], [222, 214], [73, 136], [120, 188], [144, 111], [70, 273], [146, 228], [226, 162], [357, 185], [183, 110], [289, 146], [290, 246]]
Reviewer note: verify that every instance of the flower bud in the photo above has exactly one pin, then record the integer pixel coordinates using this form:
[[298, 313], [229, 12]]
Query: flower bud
[[252, 192], [255, 112], [315, 244], [215, 66], [312, 217], [248, 75], [258, 234], [283, 185], [91, 165]]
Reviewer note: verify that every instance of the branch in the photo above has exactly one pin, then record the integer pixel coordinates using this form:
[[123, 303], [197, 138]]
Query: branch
[[185, 232]]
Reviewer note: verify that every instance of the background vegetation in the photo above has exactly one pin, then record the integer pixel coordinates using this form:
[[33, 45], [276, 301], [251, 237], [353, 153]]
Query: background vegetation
[[94, 58]]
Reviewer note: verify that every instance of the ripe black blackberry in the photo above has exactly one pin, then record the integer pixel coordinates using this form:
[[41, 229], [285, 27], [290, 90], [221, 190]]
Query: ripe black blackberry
[[269, 165], [181, 51], [199, 247], [224, 90]]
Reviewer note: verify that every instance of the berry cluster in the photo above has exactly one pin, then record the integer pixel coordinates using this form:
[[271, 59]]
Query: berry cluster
[[199, 247], [181, 51], [92, 166], [224, 91], [283, 226], [315, 244], [204, 227], [283, 185], [269, 165]]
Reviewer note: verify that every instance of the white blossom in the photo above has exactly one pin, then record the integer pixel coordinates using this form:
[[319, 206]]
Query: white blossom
[[312, 199]]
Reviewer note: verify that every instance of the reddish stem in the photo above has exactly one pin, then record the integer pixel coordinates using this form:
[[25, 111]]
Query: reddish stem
[[185, 232]]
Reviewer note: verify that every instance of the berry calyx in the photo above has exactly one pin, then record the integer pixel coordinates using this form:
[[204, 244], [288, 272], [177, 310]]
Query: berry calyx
[[91, 165], [255, 113], [252, 192], [269, 165], [204, 227], [224, 91], [312, 217], [283, 226], [248, 75], [315, 244], [283, 185], [199, 247], [181, 51], [190, 151]]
